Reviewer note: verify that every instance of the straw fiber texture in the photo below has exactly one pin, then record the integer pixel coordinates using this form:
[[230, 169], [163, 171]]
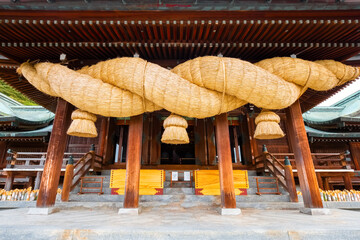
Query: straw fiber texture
[[268, 126], [83, 124], [175, 130], [202, 87]]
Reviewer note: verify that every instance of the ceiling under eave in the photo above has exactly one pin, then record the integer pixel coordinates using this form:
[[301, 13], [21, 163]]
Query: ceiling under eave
[[171, 37]]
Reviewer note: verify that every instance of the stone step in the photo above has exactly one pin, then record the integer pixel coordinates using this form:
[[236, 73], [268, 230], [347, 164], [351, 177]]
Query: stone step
[[177, 198]]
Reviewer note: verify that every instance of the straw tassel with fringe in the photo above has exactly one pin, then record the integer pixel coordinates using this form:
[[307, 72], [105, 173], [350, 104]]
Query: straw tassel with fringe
[[267, 126], [83, 124], [175, 130]]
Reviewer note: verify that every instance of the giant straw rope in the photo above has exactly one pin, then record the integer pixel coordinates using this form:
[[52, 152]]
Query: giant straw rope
[[200, 88]]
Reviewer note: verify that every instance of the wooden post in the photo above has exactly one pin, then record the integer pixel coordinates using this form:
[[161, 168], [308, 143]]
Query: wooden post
[[355, 154], [145, 156], [133, 162], [200, 142], [155, 144], [54, 157], [37, 180], [236, 143], [347, 181], [9, 181], [290, 181], [69, 174], [121, 142], [30, 182], [320, 181], [327, 184], [3, 148], [253, 142], [228, 199], [210, 140], [304, 162], [102, 137]]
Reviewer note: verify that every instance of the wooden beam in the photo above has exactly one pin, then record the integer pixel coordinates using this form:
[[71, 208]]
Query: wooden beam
[[355, 154], [210, 141], [133, 162], [304, 162], [200, 142], [228, 199], [55, 153]]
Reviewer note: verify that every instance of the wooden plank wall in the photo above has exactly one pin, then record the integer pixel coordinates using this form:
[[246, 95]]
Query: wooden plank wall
[[82, 145], [280, 145]]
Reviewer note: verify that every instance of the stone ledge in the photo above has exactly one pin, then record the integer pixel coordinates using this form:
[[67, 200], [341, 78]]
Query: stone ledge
[[230, 211], [315, 211], [129, 211], [43, 211]]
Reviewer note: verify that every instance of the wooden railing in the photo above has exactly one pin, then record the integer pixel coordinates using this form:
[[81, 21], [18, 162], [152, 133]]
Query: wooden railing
[[282, 172], [34, 160], [89, 161], [274, 166], [321, 160]]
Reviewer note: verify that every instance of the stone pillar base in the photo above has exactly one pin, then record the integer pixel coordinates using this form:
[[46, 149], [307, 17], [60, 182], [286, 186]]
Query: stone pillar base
[[315, 211], [229, 211], [129, 211], [43, 211]]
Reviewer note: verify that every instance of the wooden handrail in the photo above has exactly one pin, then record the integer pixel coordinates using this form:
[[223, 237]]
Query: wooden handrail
[[282, 173], [82, 167]]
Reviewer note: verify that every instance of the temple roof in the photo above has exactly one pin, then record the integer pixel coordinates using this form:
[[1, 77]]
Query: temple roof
[[14, 115], [42, 134], [316, 135], [345, 113]]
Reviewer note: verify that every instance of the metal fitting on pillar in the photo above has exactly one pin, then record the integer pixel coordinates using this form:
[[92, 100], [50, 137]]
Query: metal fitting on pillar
[[92, 147], [71, 160], [264, 149], [287, 161]]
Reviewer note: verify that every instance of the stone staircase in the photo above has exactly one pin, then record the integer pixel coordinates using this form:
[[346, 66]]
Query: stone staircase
[[183, 194]]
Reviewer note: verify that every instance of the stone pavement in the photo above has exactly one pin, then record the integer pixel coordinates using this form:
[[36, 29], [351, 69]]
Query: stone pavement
[[172, 221]]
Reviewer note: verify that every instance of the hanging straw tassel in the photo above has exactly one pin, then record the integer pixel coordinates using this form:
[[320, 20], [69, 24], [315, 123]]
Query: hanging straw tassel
[[175, 130], [83, 124], [268, 126]]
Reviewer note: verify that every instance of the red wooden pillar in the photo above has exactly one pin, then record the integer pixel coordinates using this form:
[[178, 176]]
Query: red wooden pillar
[[133, 162], [225, 164], [55, 153], [304, 162]]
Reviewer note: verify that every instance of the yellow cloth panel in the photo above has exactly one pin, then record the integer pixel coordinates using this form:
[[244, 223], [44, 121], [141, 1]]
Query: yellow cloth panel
[[149, 178], [209, 179]]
